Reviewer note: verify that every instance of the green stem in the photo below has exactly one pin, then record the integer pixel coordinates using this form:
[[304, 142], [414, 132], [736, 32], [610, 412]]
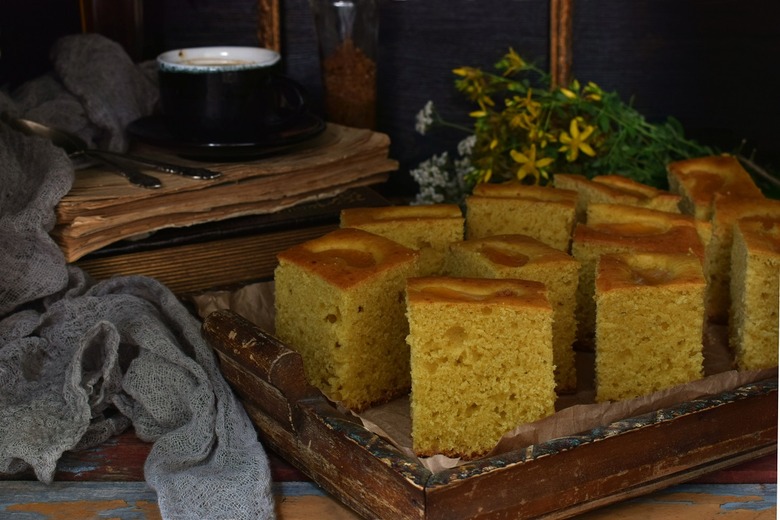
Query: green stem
[[456, 126]]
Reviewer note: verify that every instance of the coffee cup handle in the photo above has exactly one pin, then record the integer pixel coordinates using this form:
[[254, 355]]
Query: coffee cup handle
[[293, 99]]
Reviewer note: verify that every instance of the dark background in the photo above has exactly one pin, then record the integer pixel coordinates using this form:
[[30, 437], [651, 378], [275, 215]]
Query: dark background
[[712, 64]]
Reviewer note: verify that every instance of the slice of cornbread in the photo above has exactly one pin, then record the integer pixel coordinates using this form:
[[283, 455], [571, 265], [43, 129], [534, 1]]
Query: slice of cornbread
[[649, 323], [481, 361], [755, 291], [426, 228], [727, 210], [698, 179], [510, 208], [523, 257], [591, 242], [615, 189], [339, 301]]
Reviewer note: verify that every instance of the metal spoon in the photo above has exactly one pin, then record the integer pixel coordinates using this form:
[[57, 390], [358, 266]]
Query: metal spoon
[[74, 145]]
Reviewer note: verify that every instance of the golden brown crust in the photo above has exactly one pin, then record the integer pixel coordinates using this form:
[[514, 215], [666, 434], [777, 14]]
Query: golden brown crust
[[605, 213], [346, 257], [514, 250], [523, 191], [358, 216], [616, 189], [729, 209], [643, 237], [607, 191], [628, 185], [761, 234], [627, 271], [500, 291], [699, 179]]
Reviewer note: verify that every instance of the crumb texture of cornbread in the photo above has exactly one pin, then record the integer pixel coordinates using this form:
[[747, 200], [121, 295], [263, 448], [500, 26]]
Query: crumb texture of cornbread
[[542, 212], [481, 361], [649, 323], [615, 189], [523, 257], [591, 242], [426, 228], [339, 302], [698, 179], [755, 291], [726, 213]]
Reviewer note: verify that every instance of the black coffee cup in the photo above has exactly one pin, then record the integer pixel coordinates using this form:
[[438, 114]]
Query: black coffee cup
[[226, 94]]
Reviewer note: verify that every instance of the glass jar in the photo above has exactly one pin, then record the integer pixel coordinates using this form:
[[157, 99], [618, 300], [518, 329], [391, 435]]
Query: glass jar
[[347, 35]]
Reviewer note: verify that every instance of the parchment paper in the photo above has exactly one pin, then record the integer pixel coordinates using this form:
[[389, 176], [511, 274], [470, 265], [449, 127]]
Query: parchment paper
[[576, 412]]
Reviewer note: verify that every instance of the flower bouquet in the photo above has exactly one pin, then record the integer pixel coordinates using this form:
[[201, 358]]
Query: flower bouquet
[[527, 129]]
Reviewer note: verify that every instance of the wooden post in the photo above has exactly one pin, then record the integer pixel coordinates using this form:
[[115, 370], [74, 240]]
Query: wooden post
[[560, 41], [268, 32]]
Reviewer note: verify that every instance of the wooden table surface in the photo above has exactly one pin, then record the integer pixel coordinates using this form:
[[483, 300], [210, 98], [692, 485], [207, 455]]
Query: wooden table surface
[[107, 482]]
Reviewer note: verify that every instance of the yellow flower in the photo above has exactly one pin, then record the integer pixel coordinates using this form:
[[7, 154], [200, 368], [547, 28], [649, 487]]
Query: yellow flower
[[530, 165], [466, 72], [513, 62], [593, 92], [540, 136], [568, 93], [574, 141], [484, 175]]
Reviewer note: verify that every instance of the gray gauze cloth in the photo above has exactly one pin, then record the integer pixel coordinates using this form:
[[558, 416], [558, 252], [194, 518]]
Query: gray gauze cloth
[[81, 361]]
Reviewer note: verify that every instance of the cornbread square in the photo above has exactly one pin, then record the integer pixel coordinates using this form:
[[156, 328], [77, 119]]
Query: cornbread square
[[510, 208], [698, 179], [755, 291], [727, 211], [481, 361], [340, 303], [523, 257], [649, 323], [591, 242], [615, 189], [426, 228]]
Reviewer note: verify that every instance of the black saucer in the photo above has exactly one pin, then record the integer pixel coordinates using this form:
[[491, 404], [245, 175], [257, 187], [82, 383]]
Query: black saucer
[[274, 140]]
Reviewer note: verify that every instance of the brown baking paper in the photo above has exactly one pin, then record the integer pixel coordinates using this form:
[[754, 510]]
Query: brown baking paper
[[576, 412]]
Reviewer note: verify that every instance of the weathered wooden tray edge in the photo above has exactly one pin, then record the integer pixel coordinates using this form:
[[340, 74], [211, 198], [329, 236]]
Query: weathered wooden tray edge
[[555, 479]]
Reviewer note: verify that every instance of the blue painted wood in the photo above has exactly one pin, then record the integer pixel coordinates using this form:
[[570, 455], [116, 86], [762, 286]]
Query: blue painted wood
[[758, 497], [737, 497]]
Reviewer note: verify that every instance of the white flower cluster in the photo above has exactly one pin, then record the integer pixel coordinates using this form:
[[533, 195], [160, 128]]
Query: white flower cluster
[[441, 179], [424, 118], [433, 177]]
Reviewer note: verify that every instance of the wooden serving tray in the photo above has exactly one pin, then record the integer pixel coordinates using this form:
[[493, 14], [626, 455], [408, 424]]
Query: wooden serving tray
[[554, 479]]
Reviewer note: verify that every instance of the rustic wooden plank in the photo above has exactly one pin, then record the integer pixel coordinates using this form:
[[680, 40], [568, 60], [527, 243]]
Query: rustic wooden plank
[[137, 501], [357, 467], [253, 389], [363, 470], [71, 500], [257, 351], [305, 500], [690, 501]]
